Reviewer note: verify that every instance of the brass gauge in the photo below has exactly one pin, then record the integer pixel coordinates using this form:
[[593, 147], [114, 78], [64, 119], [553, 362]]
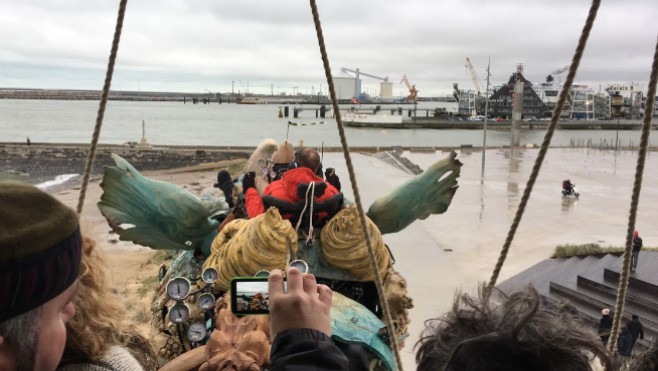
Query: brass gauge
[[196, 332], [178, 288], [206, 301], [179, 313], [209, 275]]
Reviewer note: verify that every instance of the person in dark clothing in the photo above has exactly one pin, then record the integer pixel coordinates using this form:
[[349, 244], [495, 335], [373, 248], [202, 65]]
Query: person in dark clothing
[[605, 325], [625, 347], [331, 177], [637, 246], [225, 183], [636, 329], [300, 324], [567, 186]]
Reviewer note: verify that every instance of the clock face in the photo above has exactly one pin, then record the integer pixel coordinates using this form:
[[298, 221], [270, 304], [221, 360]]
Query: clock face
[[301, 265], [196, 331], [178, 288], [179, 313], [209, 275], [206, 301]]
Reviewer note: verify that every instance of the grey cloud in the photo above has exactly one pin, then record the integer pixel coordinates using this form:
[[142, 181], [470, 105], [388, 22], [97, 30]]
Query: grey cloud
[[170, 45]]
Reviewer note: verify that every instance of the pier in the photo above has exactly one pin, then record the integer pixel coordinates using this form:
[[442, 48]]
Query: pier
[[434, 123]]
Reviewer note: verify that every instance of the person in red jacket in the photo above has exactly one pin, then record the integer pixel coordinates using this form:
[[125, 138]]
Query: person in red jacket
[[286, 188]]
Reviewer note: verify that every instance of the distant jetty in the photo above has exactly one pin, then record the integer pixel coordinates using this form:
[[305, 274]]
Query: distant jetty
[[183, 97], [447, 124]]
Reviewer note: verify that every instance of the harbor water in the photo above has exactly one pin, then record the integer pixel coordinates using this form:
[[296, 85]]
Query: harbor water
[[175, 123]]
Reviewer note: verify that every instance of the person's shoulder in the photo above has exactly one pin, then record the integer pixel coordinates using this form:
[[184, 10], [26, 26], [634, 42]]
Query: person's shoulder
[[117, 358]]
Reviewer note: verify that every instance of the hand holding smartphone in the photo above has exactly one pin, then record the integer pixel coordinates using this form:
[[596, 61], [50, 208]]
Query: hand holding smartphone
[[250, 295]]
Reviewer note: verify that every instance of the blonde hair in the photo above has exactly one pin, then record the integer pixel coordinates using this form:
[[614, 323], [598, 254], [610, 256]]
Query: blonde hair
[[98, 322]]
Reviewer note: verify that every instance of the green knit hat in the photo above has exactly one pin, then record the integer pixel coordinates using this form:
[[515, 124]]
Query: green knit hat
[[40, 248]]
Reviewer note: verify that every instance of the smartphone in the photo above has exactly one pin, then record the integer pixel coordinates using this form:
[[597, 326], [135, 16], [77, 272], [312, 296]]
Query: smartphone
[[249, 295]]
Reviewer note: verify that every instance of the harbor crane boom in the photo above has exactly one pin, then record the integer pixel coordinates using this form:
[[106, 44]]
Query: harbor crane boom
[[357, 72], [413, 92], [474, 76]]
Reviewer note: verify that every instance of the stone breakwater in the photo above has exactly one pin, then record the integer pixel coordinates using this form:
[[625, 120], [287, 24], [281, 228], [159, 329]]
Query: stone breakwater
[[55, 159]]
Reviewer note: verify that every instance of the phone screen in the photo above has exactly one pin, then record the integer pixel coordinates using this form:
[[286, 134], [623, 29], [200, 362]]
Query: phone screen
[[249, 295]]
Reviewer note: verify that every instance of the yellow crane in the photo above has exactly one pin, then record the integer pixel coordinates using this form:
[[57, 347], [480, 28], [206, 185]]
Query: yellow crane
[[474, 76]]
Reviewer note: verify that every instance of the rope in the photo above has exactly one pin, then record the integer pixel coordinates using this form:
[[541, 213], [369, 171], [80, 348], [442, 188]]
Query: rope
[[311, 190], [103, 103], [544, 146], [635, 199], [357, 198]]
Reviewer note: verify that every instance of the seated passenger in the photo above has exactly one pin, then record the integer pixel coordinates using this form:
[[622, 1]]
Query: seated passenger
[[286, 188]]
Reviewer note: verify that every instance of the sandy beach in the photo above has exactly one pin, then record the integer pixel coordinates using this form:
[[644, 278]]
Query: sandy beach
[[449, 252]]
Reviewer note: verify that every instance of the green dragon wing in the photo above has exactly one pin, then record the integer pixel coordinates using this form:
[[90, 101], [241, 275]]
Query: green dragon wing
[[153, 213], [428, 193]]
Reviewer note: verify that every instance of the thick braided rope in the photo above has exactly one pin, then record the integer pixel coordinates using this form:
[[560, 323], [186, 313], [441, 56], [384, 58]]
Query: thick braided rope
[[103, 103], [635, 199], [544, 146], [357, 198]]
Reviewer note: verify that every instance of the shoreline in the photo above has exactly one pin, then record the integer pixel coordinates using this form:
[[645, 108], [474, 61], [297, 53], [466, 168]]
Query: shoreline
[[41, 162]]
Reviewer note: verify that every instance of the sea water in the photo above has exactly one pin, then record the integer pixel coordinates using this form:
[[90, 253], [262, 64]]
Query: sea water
[[176, 123]]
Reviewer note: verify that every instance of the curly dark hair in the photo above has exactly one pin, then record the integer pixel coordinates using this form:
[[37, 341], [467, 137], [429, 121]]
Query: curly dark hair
[[515, 334]]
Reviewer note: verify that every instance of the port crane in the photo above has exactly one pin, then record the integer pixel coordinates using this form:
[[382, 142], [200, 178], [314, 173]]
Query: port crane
[[413, 92], [474, 76]]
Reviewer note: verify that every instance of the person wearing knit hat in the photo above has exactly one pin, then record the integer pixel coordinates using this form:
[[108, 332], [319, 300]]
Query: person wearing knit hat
[[605, 325], [40, 253]]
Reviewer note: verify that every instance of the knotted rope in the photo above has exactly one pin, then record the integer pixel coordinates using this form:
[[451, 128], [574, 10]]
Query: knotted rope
[[103, 103], [544, 146], [635, 199], [357, 198]]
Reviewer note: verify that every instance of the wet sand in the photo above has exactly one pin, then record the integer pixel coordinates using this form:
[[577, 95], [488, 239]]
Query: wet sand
[[458, 249]]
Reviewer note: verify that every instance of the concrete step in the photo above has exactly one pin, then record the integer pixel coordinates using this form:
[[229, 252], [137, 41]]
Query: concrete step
[[610, 288], [589, 307], [635, 281], [598, 300]]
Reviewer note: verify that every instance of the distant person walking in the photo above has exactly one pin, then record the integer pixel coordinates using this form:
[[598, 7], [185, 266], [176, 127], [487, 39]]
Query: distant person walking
[[605, 325], [636, 329], [637, 246], [624, 347], [28, 141]]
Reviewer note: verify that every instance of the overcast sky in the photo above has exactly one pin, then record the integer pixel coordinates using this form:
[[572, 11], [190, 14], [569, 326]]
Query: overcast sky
[[204, 45]]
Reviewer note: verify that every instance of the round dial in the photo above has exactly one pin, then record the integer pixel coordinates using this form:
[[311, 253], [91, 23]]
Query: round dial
[[262, 273], [196, 331], [206, 301], [179, 313], [209, 275], [301, 265], [178, 288]]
